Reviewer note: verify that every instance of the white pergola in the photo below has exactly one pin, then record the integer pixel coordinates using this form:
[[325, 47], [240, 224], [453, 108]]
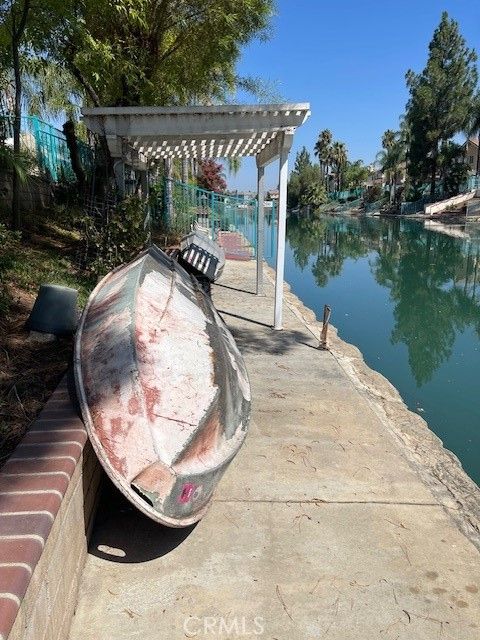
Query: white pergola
[[138, 135]]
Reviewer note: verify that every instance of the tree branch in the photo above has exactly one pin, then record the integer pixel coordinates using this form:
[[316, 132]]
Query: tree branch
[[18, 32], [78, 75]]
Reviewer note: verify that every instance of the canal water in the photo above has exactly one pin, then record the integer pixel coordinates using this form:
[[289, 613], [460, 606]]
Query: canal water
[[409, 298]]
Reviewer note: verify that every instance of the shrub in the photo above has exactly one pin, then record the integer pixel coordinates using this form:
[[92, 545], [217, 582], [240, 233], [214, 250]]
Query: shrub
[[116, 238], [372, 194]]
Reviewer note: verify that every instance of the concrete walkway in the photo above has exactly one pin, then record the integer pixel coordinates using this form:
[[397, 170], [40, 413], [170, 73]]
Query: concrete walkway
[[321, 528]]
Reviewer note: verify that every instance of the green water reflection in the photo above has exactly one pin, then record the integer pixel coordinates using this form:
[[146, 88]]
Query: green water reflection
[[409, 298]]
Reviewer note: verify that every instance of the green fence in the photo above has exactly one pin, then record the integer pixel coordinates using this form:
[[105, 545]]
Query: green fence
[[180, 206], [472, 183], [352, 194], [414, 207], [49, 146]]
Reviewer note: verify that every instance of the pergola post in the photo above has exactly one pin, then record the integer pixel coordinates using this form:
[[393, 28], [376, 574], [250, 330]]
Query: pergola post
[[285, 145], [144, 183], [169, 189], [260, 227], [119, 171]]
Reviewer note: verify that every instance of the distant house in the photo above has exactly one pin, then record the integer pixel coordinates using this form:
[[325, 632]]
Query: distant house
[[272, 194], [471, 155], [242, 196], [375, 178], [379, 178]]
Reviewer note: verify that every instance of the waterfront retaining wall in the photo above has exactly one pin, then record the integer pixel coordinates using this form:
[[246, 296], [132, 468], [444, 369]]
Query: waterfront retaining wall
[[438, 207], [438, 467]]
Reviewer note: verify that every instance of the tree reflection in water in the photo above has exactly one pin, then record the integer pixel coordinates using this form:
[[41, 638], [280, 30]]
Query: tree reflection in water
[[432, 277]]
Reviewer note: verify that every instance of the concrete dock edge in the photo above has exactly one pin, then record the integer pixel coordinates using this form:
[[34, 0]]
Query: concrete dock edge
[[439, 467]]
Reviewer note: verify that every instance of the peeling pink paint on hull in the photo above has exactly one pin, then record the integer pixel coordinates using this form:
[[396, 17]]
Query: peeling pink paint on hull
[[162, 386]]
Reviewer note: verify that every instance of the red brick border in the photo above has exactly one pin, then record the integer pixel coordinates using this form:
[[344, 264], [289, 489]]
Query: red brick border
[[33, 483]]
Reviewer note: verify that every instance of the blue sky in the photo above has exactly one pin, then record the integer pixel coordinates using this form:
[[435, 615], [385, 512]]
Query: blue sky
[[348, 58]]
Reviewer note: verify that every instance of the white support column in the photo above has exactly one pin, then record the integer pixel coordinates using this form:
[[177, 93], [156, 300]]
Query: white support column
[[281, 232], [260, 228]]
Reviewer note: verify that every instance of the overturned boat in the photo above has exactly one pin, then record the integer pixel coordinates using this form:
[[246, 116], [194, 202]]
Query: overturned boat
[[162, 387]]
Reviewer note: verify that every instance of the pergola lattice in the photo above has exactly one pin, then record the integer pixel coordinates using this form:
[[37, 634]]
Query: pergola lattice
[[138, 135]]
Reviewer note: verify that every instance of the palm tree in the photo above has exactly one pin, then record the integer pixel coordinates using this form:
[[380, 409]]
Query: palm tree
[[20, 164], [339, 160], [388, 139], [234, 165], [323, 150], [390, 159]]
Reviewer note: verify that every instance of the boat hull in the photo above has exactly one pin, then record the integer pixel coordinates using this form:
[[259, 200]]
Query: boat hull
[[162, 388]]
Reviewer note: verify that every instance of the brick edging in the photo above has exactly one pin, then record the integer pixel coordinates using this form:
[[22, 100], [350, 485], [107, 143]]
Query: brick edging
[[33, 483]]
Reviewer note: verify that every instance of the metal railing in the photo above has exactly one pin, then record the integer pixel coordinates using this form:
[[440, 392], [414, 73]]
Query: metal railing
[[407, 208], [473, 182], [180, 206], [49, 145], [473, 209]]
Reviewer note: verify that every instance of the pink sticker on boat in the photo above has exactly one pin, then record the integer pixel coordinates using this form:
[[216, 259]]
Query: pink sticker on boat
[[187, 492]]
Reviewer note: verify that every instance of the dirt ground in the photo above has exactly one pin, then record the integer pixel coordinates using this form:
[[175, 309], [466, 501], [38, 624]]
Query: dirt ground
[[30, 370]]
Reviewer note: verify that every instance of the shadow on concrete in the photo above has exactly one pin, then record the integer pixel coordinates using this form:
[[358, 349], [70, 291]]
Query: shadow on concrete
[[226, 286], [235, 315], [122, 534], [266, 340]]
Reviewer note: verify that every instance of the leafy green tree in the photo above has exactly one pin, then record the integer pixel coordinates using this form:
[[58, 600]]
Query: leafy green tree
[[49, 90], [14, 15], [234, 165], [388, 139], [26, 27], [441, 99], [313, 195], [355, 174], [305, 183], [132, 52], [302, 160], [452, 167]]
